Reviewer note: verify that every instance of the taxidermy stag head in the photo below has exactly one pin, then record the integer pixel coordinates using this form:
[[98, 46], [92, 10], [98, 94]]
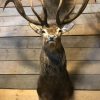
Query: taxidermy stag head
[[54, 82]]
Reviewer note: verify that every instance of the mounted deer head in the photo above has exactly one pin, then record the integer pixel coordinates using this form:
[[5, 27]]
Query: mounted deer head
[[50, 33], [54, 82]]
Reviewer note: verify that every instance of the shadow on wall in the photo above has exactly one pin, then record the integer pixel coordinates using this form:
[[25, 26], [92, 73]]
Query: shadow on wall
[[90, 55]]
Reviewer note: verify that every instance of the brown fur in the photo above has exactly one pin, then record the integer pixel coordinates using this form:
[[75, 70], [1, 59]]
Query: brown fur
[[52, 30], [54, 82]]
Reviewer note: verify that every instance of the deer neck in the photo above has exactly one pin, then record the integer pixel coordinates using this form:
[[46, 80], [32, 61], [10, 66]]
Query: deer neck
[[53, 61]]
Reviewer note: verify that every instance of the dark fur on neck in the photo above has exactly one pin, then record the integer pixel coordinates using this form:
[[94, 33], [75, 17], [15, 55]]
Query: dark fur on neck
[[54, 82], [55, 60]]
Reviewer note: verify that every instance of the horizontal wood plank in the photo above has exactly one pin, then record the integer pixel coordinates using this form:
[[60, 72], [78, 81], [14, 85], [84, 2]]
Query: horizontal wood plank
[[82, 53], [36, 2], [83, 67], [68, 41], [14, 12], [33, 67], [14, 42], [91, 8], [81, 82], [19, 67], [24, 2], [18, 20], [86, 95], [30, 54], [16, 31], [36, 42], [8, 94], [18, 81], [91, 29]]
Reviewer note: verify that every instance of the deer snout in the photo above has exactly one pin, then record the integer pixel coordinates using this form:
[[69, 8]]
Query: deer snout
[[51, 38]]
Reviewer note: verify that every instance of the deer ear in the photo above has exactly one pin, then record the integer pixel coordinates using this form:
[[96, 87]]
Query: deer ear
[[67, 27], [36, 28]]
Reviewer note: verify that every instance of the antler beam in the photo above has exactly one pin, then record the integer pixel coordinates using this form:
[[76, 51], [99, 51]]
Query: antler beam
[[21, 11], [66, 20]]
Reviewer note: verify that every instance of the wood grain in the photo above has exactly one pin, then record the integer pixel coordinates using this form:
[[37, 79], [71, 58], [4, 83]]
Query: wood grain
[[24, 2], [14, 42], [13, 12], [83, 19], [69, 41], [30, 54], [18, 81], [81, 82], [90, 9], [36, 2], [85, 29], [6, 94], [19, 67], [15, 49], [36, 42], [33, 67]]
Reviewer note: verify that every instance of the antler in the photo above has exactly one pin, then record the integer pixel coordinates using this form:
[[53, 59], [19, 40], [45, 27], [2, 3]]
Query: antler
[[21, 11], [65, 20], [58, 21]]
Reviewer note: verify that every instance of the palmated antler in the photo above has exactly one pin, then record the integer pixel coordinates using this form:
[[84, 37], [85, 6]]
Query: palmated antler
[[67, 20], [21, 11]]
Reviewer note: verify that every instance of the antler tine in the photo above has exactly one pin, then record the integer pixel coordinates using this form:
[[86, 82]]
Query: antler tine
[[57, 15], [69, 12], [66, 21], [31, 2], [44, 22], [21, 11], [45, 13]]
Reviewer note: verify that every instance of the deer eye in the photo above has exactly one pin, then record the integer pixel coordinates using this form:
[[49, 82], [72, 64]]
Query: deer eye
[[43, 31], [60, 31]]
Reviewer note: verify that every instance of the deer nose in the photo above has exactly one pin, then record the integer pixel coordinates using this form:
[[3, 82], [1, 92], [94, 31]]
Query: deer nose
[[51, 38]]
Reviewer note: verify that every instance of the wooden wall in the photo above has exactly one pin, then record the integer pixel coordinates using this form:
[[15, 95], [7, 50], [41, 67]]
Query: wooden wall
[[20, 49]]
